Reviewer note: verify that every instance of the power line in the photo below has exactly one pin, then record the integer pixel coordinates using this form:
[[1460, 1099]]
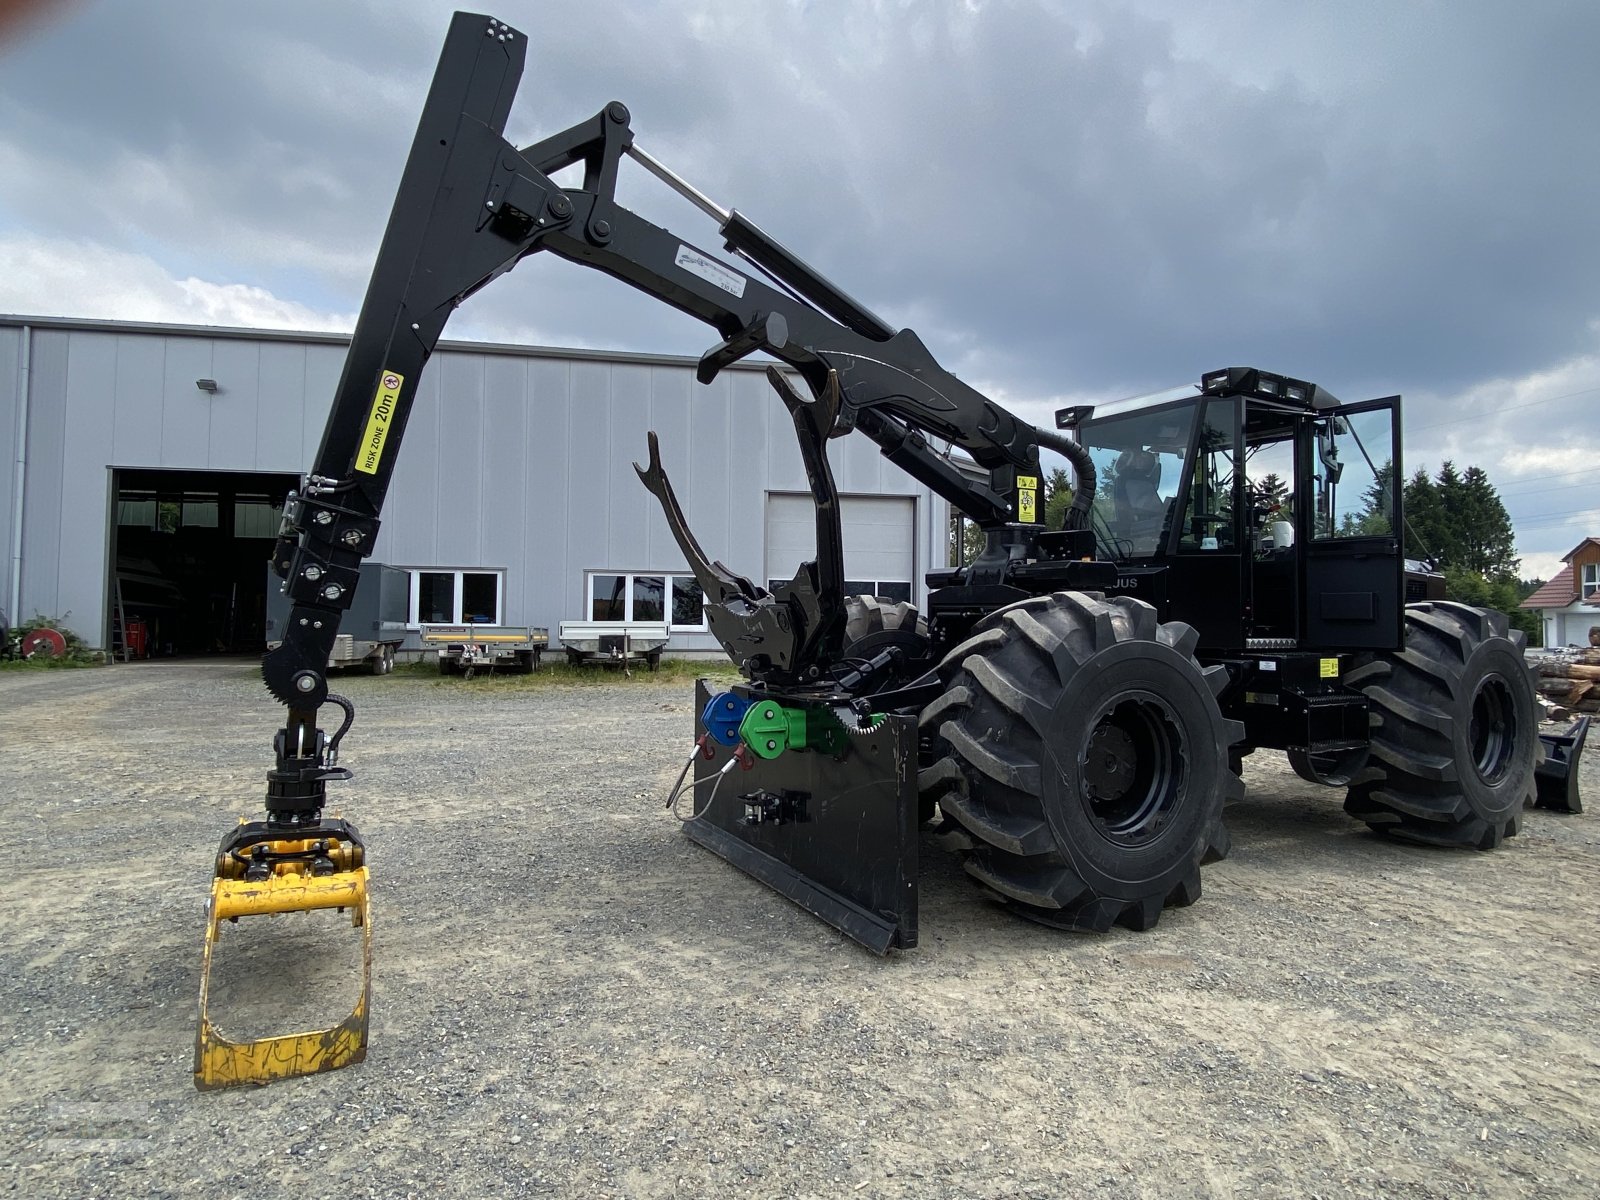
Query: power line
[[1503, 409], [1555, 518], [1515, 483], [1567, 487]]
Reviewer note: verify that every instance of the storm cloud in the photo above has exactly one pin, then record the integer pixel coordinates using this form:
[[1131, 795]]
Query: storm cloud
[[1067, 201]]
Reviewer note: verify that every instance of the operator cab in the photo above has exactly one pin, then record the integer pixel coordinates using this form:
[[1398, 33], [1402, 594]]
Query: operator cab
[[1255, 507]]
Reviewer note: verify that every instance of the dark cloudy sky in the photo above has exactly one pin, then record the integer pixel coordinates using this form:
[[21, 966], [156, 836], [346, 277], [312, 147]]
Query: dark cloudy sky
[[1067, 200]]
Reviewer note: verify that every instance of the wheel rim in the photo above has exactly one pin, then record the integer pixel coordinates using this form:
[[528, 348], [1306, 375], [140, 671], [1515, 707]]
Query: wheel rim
[[1132, 769], [1493, 730]]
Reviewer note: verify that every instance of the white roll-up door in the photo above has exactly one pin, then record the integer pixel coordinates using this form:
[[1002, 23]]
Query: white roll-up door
[[879, 541]]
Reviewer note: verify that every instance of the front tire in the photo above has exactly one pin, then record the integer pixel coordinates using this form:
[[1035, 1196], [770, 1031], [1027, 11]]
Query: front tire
[[1083, 750], [1455, 729]]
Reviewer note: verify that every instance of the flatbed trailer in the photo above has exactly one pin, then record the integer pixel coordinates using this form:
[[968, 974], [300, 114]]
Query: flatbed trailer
[[467, 649], [614, 642]]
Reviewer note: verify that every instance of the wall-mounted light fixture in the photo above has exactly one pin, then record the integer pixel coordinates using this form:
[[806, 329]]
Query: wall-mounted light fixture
[[208, 386]]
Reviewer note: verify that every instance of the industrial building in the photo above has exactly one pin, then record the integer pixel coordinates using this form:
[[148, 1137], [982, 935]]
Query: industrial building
[[144, 466]]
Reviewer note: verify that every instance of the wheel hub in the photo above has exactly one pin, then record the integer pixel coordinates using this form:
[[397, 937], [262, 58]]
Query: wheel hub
[[1132, 769], [1493, 729]]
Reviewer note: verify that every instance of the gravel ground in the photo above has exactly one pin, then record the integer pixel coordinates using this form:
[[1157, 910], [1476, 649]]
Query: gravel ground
[[573, 1000]]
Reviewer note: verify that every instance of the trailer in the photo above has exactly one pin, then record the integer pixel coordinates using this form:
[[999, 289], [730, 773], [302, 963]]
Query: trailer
[[374, 629], [614, 642], [468, 649]]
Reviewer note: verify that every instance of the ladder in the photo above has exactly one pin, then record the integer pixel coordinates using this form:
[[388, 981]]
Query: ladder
[[119, 635]]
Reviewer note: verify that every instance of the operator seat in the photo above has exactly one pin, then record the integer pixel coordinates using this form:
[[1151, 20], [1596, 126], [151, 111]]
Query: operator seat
[[1140, 511]]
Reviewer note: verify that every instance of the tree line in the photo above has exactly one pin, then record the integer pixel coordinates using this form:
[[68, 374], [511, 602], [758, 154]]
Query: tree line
[[1456, 521]]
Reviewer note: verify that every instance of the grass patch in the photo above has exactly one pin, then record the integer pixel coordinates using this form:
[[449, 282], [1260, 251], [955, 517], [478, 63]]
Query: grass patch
[[39, 663], [77, 653]]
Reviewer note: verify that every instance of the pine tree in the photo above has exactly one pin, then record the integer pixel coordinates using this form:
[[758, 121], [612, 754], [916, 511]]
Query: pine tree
[[1057, 498], [1488, 543], [1447, 487], [1378, 515], [1424, 536], [1271, 495]]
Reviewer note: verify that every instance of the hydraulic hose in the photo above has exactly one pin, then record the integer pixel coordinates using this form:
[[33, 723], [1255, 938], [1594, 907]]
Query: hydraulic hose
[[332, 752], [1083, 470]]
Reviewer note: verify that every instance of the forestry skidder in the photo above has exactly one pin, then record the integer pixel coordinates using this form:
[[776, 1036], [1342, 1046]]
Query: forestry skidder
[[1076, 703]]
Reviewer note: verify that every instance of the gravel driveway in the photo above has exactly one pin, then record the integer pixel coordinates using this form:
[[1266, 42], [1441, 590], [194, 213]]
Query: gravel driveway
[[573, 1000]]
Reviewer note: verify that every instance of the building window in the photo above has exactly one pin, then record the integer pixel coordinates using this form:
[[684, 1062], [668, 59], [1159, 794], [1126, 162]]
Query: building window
[[200, 513], [136, 512], [676, 599], [456, 597], [884, 589], [1591, 579], [256, 519]]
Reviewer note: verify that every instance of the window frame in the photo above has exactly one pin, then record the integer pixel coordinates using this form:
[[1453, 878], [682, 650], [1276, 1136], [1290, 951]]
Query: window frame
[[1589, 581], [666, 577], [414, 593], [866, 587]]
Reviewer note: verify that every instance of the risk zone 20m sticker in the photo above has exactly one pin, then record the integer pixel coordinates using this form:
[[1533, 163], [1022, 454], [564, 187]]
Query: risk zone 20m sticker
[[384, 404]]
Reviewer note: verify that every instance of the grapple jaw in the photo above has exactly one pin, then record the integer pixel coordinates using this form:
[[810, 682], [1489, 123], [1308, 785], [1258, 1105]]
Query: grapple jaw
[[260, 873], [1555, 778], [793, 633]]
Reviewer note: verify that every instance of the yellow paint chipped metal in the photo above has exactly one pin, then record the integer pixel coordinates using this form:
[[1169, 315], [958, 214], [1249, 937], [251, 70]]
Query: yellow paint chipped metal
[[220, 1062]]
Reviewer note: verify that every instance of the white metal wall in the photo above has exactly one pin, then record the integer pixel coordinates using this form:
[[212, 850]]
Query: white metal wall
[[517, 460]]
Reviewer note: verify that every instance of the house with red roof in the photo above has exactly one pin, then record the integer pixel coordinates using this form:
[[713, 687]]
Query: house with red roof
[[1570, 603]]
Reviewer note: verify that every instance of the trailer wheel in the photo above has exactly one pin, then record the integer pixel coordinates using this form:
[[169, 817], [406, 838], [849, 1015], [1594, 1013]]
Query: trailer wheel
[[1081, 747], [1455, 729]]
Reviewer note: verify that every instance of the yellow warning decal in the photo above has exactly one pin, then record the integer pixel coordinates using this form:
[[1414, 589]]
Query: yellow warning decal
[[1330, 668], [370, 452], [1027, 490]]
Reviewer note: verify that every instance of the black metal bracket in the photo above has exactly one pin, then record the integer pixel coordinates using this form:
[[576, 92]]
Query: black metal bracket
[[852, 857], [1555, 777]]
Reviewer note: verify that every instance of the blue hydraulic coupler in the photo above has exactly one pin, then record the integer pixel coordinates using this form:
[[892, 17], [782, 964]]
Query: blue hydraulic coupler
[[722, 716]]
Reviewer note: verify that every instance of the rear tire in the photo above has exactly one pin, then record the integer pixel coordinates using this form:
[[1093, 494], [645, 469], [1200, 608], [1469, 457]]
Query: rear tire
[[1455, 729], [873, 624], [1081, 747]]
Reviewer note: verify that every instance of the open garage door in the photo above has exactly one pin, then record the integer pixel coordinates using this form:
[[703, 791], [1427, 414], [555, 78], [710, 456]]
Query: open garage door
[[879, 542], [189, 553]]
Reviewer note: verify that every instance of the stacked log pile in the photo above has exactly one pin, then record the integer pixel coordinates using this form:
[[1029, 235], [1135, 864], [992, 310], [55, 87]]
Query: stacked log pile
[[1569, 680]]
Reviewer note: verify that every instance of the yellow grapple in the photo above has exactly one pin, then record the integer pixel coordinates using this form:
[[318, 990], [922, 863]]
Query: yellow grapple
[[220, 1062]]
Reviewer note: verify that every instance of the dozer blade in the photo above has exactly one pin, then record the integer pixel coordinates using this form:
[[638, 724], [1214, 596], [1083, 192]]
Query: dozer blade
[[1555, 779], [220, 1062]]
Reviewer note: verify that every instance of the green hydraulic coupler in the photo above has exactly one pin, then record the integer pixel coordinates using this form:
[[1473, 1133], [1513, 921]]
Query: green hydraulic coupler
[[769, 729]]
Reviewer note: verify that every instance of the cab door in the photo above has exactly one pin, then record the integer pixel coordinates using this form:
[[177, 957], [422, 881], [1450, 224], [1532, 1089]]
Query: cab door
[[1350, 469]]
